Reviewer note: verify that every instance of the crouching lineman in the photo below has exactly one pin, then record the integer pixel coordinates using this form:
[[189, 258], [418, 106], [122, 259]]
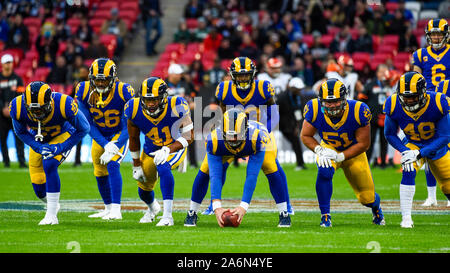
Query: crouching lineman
[[241, 137], [55, 127], [166, 123], [344, 127], [102, 99], [424, 118]]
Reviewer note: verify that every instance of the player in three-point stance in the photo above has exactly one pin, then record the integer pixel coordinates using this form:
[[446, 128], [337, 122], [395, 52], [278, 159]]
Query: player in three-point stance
[[55, 126], [253, 95], [102, 99], [424, 118], [433, 63], [241, 137], [166, 123], [344, 127]]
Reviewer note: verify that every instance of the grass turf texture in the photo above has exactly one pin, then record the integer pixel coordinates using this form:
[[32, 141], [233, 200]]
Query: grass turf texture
[[352, 232]]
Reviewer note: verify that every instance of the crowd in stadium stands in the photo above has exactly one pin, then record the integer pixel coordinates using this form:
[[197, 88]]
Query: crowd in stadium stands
[[56, 42]]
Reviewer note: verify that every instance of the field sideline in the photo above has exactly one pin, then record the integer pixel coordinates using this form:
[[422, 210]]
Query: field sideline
[[352, 230]]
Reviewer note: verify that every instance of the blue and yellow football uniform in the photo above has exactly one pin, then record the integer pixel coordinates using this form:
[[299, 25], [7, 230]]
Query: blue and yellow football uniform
[[339, 135], [434, 64], [107, 120], [260, 149], [65, 125], [160, 131]]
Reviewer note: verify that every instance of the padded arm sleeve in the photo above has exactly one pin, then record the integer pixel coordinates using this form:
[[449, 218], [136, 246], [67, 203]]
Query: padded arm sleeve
[[390, 132]]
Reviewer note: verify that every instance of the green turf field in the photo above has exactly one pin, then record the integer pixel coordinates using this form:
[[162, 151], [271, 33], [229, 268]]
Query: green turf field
[[352, 231]]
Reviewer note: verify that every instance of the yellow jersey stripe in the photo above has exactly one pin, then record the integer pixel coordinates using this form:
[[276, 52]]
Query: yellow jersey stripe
[[445, 87], [18, 107], [86, 90], [121, 84], [135, 107], [214, 141], [261, 89], [173, 102], [254, 139], [225, 89], [357, 109], [438, 102], [240, 119], [62, 106], [419, 54], [393, 102], [315, 104]]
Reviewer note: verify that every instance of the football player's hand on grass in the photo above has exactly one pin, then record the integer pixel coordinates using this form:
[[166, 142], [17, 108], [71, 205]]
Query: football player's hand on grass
[[240, 212], [218, 212]]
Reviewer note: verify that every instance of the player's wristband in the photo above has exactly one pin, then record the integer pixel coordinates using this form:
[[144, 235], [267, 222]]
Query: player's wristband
[[135, 155], [183, 141], [216, 205], [244, 205]]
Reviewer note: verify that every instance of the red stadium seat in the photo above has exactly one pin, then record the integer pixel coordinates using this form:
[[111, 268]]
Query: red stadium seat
[[32, 21], [96, 24], [359, 66], [327, 39], [108, 5], [361, 57], [173, 47], [129, 5], [376, 40], [57, 87], [391, 7], [332, 30], [339, 54], [392, 49], [128, 14], [308, 39], [355, 33], [391, 39], [73, 23], [402, 56], [381, 56], [400, 65], [421, 24], [41, 73], [225, 64], [110, 41], [102, 14], [88, 62], [191, 23]]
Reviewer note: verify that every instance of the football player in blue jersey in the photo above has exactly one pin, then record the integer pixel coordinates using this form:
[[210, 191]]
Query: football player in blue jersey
[[102, 99], [344, 127], [166, 123], [51, 125], [424, 118], [241, 137], [257, 98], [433, 63]]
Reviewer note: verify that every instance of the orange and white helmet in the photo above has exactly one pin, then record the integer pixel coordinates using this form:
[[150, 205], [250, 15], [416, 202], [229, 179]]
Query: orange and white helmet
[[344, 60], [274, 63]]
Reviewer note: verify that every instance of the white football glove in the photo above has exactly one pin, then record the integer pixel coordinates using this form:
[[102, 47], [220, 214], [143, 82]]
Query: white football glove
[[323, 162], [325, 152], [160, 156], [340, 157], [112, 148], [106, 157], [50, 150], [408, 167], [410, 156], [138, 174]]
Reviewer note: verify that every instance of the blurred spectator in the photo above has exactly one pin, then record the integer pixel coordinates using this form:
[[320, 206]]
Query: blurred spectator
[[294, 50], [316, 19], [318, 49], [202, 30], [248, 47], [151, 14], [364, 41], [215, 8], [11, 85], [196, 73], [398, 23], [214, 76], [225, 51], [62, 31], [377, 26], [183, 35], [280, 6], [59, 73], [348, 6], [407, 14], [47, 45], [337, 16], [408, 41], [275, 76], [252, 8], [375, 93], [72, 50], [96, 49], [290, 110], [312, 70], [4, 26], [343, 41], [298, 69], [84, 31], [233, 6], [212, 40], [228, 29], [118, 27], [193, 9], [18, 34], [76, 70], [351, 78], [362, 12]]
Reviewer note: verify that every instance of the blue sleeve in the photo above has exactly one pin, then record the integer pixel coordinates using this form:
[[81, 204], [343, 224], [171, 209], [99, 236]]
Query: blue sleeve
[[364, 114], [81, 125], [215, 175], [308, 111], [24, 135], [443, 132], [416, 60], [94, 132], [123, 134], [390, 132], [254, 166]]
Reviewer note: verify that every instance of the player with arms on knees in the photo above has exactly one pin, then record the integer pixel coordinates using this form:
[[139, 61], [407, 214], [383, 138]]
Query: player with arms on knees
[[344, 127], [257, 98], [241, 137], [424, 118], [50, 123], [102, 99], [433, 63], [166, 123]]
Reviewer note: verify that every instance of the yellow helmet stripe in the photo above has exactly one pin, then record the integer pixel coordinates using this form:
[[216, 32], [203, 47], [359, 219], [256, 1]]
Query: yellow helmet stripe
[[413, 83], [442, 22], [237, 64], [144, 88], [337, 87], [324, 89], [28, 95], [430, 24], [402, 84], [155, 87], [95, 68], [247, 64], [240, 119], [41, 94], [226, 121], [107, 69]]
